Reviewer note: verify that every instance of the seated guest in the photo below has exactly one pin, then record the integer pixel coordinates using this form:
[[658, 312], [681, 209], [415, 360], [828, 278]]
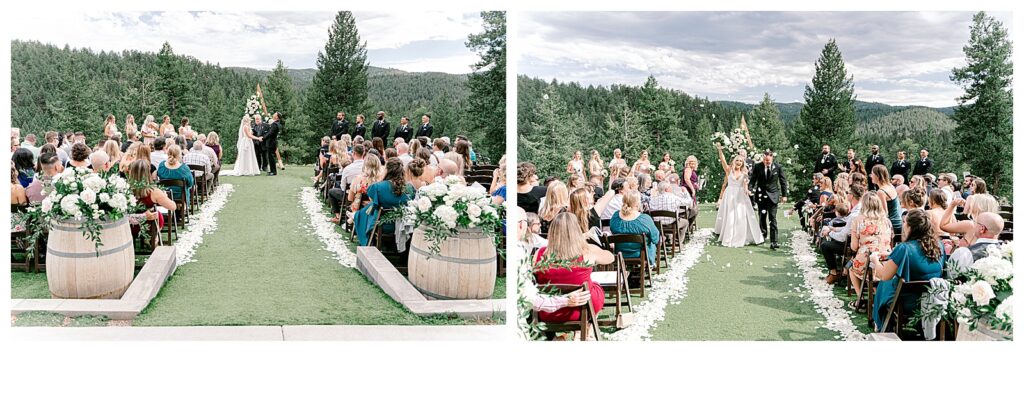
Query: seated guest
[[918, 182], [208, 151], [555, 202], [611, 203], [414, 173], [173, 169], [25, 165], [887, 193], [340, 190], [665, 200], [977, 187], [574, 182], [403, 153], [871, 233], [498, 189], [937, 203], [448, 168], [899, 182], [213, 143], [100, 162], [644, 184], [372, 173], [912, 199], [596, 186], [144, 153], [113, 150], [391, 193], [567, 243], [529, 194], [147, 194], [18, 195], [581, 205], [945, 183], [983, 203], [629, 220], [197, 157], [531, 237], [834, 245], [158, 154], [987, 228], [53, 138], [49, 164], [919, 257], [430, 170]]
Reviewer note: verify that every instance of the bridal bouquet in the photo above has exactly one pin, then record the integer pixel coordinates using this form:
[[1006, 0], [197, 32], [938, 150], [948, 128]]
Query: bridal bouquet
[[981, 294], [85, 197], [444, 207], [252, 106], [733, 142]]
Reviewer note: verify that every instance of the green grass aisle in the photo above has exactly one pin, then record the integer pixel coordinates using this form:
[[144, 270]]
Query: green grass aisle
[[743, 294], [262, 266]]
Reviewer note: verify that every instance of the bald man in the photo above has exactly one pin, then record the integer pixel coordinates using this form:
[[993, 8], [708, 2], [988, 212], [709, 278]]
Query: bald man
[[100, 161], [987, 228], [448, 167]]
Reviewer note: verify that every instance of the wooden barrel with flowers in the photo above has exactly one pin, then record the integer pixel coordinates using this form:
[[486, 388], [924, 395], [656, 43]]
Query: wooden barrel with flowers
[[76, 268], [465, 267]]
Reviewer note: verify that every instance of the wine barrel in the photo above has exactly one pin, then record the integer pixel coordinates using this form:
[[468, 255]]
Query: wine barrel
[[76, 269], [464, 268]]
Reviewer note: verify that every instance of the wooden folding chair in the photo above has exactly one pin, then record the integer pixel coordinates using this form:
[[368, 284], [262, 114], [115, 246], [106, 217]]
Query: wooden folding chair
[[198, 195], [180, 214], [615, 283], [897, 315], [638, 268], [671, 234], [585, 324]]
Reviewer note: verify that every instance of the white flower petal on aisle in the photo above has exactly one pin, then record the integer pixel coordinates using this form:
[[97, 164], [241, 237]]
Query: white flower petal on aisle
[[324, 228], [669, 288], [837, 318], [201, 223]]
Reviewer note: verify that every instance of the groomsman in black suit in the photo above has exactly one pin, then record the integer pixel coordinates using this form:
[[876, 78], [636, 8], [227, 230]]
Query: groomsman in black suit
[[873, 159], [425, 130], [260, 129], [381, 128], [404, 131], [923, 165], [851, 156], [768, 183], [901, 166], [827, 164], [339, 127], [276, 126]]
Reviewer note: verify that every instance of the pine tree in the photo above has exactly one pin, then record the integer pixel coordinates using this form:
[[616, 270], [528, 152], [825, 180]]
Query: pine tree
[[279, 91], [766, 128], [486, 104], [340, 82], [828, 112], [656, 113], [174, 82], [984, 115]]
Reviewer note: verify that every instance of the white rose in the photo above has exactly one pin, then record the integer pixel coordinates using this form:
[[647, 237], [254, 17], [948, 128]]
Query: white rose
[[47, 205], [94, 183], [958, 297], [88, 196], [1005, 309], [474, 211], [982, 293], [70, 205], [423, 203], [448, 215], [119, 202], [104, 197]]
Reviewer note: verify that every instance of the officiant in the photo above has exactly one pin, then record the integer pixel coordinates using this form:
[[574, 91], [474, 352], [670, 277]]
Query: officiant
[[260, 129]]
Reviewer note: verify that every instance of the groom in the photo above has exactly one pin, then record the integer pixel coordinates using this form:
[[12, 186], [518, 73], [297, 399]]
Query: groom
[[768, 183], [270, 143]]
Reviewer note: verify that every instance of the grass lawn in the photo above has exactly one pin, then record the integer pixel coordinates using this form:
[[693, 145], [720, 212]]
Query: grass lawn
[[29, 285]]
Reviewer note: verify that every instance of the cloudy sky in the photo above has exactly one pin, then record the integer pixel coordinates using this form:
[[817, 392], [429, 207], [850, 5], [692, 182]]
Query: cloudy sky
[[411, 41], [895, 58]]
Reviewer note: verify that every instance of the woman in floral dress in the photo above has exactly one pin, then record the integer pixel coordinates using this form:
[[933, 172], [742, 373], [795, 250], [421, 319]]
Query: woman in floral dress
[[872, 233]]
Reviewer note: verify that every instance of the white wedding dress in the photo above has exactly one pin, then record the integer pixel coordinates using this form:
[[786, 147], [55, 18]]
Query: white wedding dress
[[245, 163], [736, 224]]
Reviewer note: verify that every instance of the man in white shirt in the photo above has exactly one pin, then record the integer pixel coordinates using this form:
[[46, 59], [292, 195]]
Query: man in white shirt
[[834, 247], [30, 144], [197, 157], [53, 138], [615, 202], [158, 155], [987, 228], [403, 153], [665, 200]]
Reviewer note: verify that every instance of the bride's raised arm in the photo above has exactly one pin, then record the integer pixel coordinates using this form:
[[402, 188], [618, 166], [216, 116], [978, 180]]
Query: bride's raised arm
[[721, 158]]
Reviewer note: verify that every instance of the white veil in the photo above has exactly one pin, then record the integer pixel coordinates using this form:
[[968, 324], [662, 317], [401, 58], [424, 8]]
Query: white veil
[[241, 132]]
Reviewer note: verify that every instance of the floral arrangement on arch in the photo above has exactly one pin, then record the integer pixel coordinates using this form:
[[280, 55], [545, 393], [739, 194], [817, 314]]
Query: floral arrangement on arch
[[85, 197], [252, 106], [444, 207], [981, 294]]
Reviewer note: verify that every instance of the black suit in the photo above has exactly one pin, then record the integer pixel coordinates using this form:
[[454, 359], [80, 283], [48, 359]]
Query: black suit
[[922, 167], [425, 131], [339, 128], [360, 130], [768, 188], [829, 162], [900, 167], [873, 160], [403, 132], [270, 148], [381, 128], [260, 130]]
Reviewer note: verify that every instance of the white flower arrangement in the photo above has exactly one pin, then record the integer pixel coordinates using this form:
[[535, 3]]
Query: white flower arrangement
[[983, 292], [88, 198], [252, 106], [444, 207]]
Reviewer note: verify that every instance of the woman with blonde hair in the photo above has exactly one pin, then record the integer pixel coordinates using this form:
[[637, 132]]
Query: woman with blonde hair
[[110, 127], [643, 164], [555, 201], [596, 165], [213, 141], [568, 246], [689, 178], [581, 205], [149, 130], [113, 150], [575, 165], [575, 181], [871, 233], [131, 154], [372, 173], [616, 167], [130, 128], [736, 223], [982, 203], [629, 220]]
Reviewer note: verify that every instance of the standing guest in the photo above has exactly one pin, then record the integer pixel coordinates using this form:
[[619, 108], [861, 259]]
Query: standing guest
[[888, 195], [404, 131], [529, 194], [567, 243], [556, 201], [213, 143], [617, 167], [381, 127], [173, 168], [360, 128], [30, 145], [339, 127], [901, 166], [873, 159], [130, 128], [49, 166], [110, 127], [25, 165], [425, 129], [689, 178], [871, 234], [629, 220], [827, 164], [923, 166], [53, 138], [918, 258], [899, 183], [166, 128], [392, 192], [596, 166]]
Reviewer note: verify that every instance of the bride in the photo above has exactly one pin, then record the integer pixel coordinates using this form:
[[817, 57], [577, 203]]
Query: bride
[[245, 164], [736, 224]]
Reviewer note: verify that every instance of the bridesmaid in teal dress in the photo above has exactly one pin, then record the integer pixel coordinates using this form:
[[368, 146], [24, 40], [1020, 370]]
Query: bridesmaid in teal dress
[[630, 220], [383, 195]]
